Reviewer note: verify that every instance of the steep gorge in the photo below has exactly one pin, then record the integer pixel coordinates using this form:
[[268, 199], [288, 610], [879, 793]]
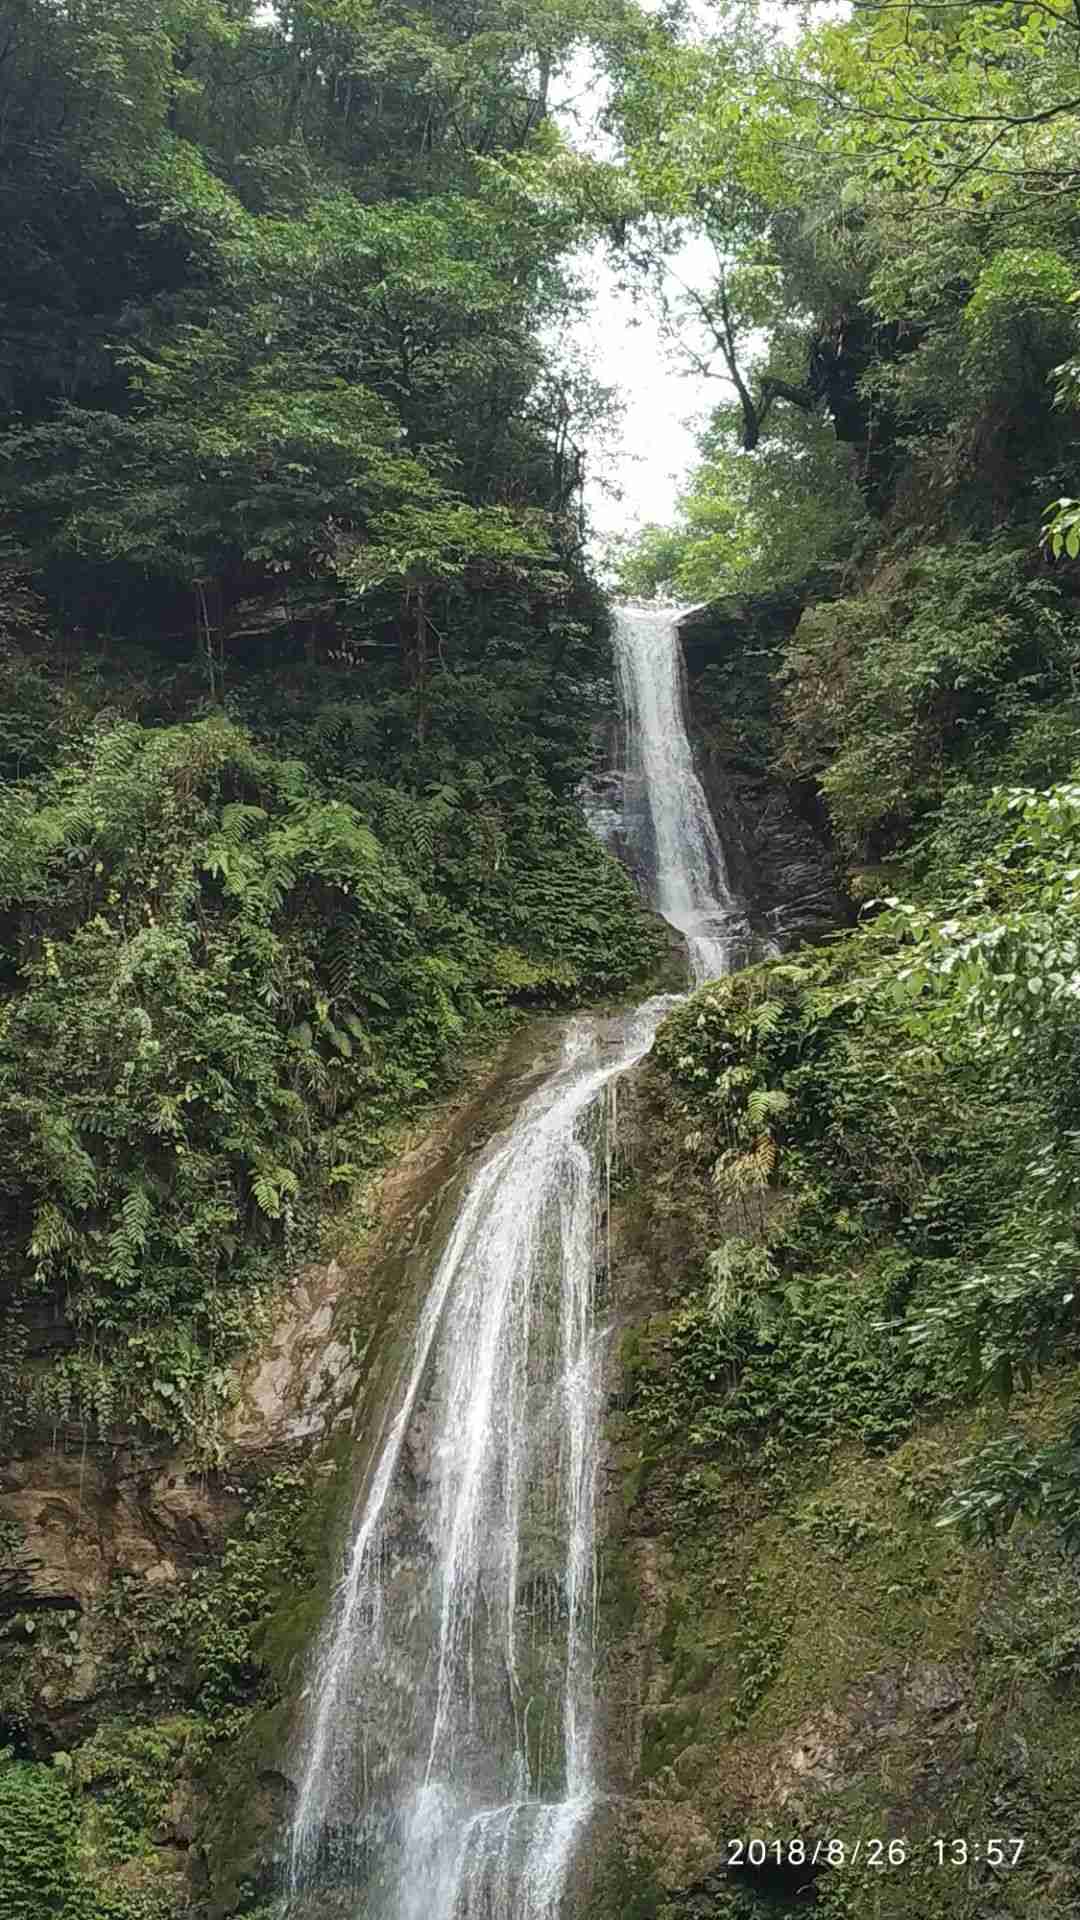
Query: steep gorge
[[788, 1650], [447, 1763], [350, 1292], [313, 1402]]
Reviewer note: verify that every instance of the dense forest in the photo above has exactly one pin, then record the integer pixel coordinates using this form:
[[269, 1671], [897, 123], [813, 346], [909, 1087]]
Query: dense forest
[[865, 1385], [301, 651], [298, 644]]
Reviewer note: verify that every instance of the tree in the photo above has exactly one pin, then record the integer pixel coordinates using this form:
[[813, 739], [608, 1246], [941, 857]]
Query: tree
[[316, 300]]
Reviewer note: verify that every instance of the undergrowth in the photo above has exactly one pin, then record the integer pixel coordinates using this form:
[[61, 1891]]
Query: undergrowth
[[225, 977]]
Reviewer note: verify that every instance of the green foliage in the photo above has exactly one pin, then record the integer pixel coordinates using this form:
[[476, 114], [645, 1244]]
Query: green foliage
[[758, 1647], [168, 946], [131, 1772], [273, 312], [281, 425], [885, 258], [1017, 322], [900, 1110], [993, 95], [222, 985], [891, 696], [750, 523], [39, 1846], [250, 471], [208, 1645], [1009, 1478], [67, 1828], [1062, 531]]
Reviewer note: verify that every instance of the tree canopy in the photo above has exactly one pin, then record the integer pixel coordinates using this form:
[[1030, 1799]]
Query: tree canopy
[[272, 299], [889, 202]]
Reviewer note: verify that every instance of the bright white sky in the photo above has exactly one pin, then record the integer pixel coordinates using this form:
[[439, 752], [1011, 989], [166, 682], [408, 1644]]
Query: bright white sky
[[621, 345], [620, 342]]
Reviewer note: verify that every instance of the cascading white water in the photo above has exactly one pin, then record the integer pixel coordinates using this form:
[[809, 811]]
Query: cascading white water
[[668, 821], [446, 1766], [448, 1759]]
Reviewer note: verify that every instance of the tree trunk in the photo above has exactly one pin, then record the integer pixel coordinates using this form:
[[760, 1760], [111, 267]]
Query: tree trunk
[[420, 659]]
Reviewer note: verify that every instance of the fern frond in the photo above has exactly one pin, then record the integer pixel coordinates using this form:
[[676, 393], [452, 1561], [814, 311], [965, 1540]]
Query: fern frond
[[238, 820], [269, 1188], [763, 1102]]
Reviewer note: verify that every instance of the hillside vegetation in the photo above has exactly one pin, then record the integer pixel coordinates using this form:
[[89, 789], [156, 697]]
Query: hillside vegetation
[[893, 323], [299, 660], [857, 1416], [298, 651]]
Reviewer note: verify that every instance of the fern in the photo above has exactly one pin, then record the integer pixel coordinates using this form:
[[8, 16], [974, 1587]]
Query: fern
[[238, 820], [52, 1234], [743, 1281], [129, 1238], [226, 982], [763, 1103], [743, 1170], [270, 1186]]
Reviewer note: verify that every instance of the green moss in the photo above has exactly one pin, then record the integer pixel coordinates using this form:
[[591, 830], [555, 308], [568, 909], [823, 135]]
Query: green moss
[[619, 1596], [830, 1658], [246, 1811], [666, 1732], [944, 1679], [625, 1888], [666, 1639], [128, 1773]]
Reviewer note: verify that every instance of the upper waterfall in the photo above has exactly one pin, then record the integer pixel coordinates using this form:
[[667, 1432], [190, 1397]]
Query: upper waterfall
[[667, 819]]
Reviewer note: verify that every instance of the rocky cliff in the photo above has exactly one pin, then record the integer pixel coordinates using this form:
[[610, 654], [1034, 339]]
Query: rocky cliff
[[813, 1695], [775, 832]]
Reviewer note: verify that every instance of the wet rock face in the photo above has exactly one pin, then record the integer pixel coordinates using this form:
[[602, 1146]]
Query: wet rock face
[[79, 1519], [90, 1527], [828, 1753], [105, 1542], [775, 833], [78, 1522], [84, 1519], [694, 1833], [302, 1383]]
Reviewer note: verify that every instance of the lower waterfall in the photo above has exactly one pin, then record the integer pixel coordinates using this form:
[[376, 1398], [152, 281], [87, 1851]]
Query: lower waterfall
[[446, 1765]]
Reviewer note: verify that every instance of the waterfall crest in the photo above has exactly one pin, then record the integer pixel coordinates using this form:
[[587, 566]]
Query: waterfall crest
[[446, 1765]]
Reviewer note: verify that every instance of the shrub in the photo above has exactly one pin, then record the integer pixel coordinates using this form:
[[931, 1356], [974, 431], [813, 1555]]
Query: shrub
[[939, 672], [222, 987], [39, 1844]]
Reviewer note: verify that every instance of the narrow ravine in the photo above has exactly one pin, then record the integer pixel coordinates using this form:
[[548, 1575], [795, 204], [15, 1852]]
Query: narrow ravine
[[447, 1763]]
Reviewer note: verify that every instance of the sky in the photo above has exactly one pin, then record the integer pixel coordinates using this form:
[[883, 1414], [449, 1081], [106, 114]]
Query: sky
[[620, 342]]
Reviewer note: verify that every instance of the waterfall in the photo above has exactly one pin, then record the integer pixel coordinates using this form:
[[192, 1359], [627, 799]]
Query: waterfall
[[446, 1763], [667, 820]]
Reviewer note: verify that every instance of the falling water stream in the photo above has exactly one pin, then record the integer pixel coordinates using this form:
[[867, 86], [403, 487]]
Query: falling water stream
[[446, 1765], [667, 820]]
